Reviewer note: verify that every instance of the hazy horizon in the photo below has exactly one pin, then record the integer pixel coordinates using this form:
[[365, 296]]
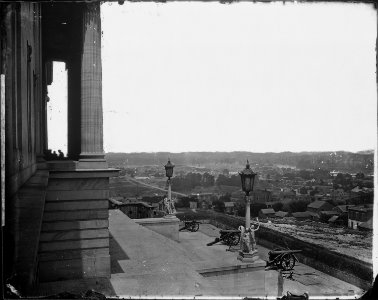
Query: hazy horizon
[[309, 151]]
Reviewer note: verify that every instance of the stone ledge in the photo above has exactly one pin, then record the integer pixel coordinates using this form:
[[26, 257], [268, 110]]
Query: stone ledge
[[156, 221], [168, 227], [84, 173]]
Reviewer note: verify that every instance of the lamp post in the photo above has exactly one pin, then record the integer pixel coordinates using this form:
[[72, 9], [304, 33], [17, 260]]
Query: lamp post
[[169, 173], [247, 177], [248, 252]]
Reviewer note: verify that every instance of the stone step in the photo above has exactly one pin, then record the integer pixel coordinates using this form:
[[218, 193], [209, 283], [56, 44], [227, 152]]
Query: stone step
[[75, 205], [74, 225], [73, 244], [54, 216], [73, 235], [85, 267], [77, 195]]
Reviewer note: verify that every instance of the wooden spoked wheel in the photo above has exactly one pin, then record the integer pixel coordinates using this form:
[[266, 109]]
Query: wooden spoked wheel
[[287, 262], [234, 239], [194, 227]]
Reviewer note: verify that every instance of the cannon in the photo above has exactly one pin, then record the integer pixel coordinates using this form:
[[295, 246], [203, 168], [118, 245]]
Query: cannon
[[192, 226], [283, 258], [228, 237]]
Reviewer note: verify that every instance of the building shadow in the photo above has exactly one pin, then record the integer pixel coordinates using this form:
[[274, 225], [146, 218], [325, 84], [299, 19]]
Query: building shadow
[[116, 254]]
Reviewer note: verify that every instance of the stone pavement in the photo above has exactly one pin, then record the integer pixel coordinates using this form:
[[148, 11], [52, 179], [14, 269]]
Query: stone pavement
[[147, 263]]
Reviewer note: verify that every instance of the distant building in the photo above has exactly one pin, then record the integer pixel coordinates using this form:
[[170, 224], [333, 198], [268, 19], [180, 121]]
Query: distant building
[[302, 215], [327, 214], [342, 209], [267, 213], [261, 196], [334, 173], [335, 220], [318, 206], [193, 205], [314, 216], [229, 207], [366, 226], [288, 194], [358, 215], [269, 204], [203, 196], [339, 194], [281, 214]]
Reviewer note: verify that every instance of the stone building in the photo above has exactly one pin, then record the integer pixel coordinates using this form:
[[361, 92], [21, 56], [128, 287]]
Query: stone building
[[55, 213], [358, 215]]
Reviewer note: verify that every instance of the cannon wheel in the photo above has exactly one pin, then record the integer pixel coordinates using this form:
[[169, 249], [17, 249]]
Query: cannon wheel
[[194, 227], [287, 262], [233, 239]]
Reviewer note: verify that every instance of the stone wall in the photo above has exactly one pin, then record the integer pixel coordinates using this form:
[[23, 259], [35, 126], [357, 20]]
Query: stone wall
[[22, 66], [341, 266]]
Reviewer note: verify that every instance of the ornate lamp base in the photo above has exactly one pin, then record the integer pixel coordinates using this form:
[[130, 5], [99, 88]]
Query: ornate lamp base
[[249, 257], [169, 216]]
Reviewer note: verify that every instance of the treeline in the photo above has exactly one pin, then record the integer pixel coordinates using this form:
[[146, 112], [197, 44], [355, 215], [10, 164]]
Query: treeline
[[191, 180], [340, 160]]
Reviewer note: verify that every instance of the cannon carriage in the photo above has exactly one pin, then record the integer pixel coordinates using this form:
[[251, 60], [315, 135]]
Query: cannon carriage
[[283, 258], [192, 226], [228, 237]]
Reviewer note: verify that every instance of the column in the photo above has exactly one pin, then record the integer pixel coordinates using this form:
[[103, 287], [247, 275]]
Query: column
[[92, 152], [74, 107]]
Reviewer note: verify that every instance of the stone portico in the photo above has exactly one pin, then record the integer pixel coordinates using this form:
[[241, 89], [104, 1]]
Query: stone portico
[[64, 201]]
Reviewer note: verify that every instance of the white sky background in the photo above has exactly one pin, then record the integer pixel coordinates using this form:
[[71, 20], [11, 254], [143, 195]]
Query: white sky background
[[57, 109], [246, 76], [255, 77]]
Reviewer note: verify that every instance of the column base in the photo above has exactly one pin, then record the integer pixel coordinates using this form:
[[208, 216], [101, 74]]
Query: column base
[[92, 163]]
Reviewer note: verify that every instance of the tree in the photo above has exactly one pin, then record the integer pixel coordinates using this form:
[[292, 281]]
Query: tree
[[277, 206], [306, 175], [207, 180], [297, 206], [255, 208], [303, 190], [184, 201], [219, 206], [225, 198], [221, 180]]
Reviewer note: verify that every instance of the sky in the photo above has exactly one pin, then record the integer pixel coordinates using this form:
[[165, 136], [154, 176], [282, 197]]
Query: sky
[[260, 77]]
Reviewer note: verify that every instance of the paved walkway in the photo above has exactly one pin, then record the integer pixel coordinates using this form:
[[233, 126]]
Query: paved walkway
[[146, 263]]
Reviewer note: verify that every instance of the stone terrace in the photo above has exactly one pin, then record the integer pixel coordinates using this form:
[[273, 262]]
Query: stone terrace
[[147, 263]]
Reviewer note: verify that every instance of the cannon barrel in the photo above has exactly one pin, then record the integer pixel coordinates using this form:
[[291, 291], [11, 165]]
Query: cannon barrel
[[214, 242], [276, 252]]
